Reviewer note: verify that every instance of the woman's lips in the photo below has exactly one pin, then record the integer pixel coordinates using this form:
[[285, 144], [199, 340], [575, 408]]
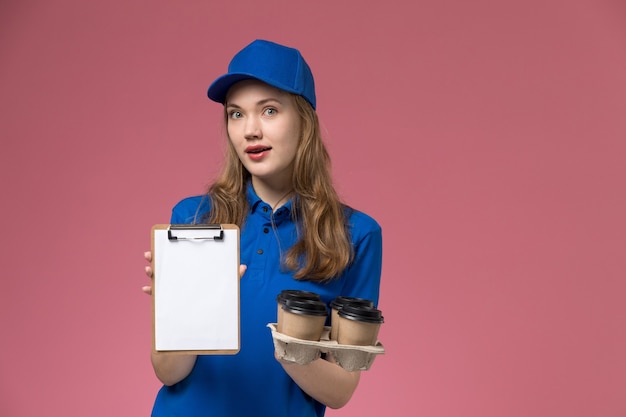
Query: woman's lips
[[257, 152]]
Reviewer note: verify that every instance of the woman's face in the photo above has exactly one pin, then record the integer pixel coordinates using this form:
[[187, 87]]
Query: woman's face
[[264, 128]]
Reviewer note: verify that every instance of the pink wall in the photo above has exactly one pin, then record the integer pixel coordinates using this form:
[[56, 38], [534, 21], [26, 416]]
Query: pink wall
[[488, 138]]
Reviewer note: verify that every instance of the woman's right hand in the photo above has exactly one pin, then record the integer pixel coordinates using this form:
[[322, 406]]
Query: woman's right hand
[[148, 288]]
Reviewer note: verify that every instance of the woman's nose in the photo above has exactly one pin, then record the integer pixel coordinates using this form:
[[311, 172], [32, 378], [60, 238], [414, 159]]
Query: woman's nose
[[252, 129]]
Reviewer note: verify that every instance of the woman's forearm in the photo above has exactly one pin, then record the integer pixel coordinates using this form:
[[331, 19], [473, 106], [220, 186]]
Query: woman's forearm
[[324, 380], [172, 368]]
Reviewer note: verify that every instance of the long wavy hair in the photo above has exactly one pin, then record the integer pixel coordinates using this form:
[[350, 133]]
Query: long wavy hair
[[323, 249]]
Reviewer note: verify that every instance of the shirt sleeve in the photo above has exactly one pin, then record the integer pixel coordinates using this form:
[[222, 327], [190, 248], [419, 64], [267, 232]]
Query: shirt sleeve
[[190, 210]]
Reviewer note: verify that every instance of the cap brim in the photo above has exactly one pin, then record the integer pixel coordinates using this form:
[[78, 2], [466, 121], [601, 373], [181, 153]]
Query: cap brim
[[219, 88]]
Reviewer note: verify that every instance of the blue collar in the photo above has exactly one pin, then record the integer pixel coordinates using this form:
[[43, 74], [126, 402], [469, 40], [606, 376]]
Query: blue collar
[[256, 203]]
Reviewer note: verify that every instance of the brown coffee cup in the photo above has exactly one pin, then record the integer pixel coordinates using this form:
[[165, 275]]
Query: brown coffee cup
[[359, 325], [285, 295], [336, 305], [303, 319]]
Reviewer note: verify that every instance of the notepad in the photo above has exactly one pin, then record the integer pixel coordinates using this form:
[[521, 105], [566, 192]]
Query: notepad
[[196, 288]]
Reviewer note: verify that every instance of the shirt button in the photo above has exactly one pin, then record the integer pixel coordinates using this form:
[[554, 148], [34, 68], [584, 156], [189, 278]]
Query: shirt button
[[266, 230], [265, 209], [260, 251]]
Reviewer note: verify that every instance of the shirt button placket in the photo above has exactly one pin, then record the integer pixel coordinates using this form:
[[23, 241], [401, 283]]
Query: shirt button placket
[[266, 231]]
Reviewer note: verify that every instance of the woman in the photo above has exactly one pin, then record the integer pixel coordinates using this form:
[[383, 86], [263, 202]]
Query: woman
[[295, 234]]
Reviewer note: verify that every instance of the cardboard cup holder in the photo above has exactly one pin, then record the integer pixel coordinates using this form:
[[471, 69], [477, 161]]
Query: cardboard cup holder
[[349, 357]]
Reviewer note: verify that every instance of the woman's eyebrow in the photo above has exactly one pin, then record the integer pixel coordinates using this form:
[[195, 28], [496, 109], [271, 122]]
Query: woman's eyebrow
[[269, 100], [258, 103]]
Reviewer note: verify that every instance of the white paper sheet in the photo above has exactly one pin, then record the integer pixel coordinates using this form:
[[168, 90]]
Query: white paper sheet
[[196, 290]]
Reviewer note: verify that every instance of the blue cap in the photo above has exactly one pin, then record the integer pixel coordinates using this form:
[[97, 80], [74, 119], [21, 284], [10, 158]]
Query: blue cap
[[277, 65]]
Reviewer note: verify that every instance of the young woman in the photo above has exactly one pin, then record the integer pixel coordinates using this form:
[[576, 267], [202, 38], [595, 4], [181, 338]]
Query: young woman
[[295, 234]]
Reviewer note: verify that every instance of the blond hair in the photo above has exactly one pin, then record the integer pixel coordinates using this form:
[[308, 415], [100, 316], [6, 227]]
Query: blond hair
[[323, 249]]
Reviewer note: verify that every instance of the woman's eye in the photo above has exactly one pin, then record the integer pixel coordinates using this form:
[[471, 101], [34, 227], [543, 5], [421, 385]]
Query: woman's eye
[[270, 111], [235, 114]]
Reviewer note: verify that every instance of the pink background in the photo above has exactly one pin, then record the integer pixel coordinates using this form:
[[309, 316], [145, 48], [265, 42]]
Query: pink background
[[488, 139]]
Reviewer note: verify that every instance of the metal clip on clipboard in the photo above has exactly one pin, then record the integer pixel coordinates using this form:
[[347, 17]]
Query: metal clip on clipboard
[[195, 232]]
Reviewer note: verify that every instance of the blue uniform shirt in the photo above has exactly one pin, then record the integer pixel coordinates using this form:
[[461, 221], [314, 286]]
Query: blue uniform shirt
[[252, 382]]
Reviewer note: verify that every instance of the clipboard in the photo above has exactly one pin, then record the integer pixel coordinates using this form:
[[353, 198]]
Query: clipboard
[[195, 288]]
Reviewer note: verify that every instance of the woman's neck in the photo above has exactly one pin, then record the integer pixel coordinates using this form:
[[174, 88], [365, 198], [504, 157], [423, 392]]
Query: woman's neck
[[272, 194]]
